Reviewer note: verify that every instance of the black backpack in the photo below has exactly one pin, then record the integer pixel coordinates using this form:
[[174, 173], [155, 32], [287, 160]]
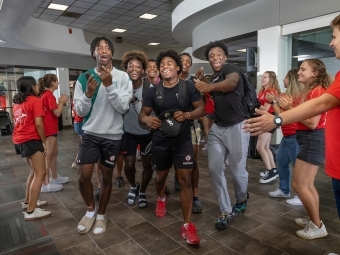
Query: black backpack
[[249, 99]]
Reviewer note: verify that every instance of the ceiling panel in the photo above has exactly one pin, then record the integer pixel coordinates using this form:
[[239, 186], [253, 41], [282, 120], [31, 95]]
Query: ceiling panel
[[82, 4], [103, 8], [151, 3], [109, 2], [64, 2], [76, 9], [125, 5]]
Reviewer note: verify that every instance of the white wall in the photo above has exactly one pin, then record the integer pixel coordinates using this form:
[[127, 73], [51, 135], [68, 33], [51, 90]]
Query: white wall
[[332, 65], [64, 88]]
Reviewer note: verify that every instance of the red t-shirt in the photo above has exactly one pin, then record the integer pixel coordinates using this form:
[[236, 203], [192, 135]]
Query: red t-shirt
[[209, 105], [332, 133], [290, 129], [50, 120], [262, 98], [24, 115], [314, 93], [77, 118]]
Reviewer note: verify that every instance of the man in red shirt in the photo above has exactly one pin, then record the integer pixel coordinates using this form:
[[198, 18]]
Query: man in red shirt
[[329, 101]]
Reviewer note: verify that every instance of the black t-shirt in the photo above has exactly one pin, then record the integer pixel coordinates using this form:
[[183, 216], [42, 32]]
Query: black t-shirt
[[229, 107], [170, 102]]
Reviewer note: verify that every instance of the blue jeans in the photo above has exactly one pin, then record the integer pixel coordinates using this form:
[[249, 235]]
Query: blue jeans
[[286, 154], [336, 190]]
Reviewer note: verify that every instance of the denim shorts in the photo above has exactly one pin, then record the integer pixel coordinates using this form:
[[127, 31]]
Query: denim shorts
[[78, 127], [312, 146]]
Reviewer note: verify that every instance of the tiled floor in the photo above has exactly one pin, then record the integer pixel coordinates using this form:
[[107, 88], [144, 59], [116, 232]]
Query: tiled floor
[[266, 228]]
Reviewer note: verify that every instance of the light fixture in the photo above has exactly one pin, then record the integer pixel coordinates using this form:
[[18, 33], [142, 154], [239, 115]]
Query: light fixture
[[242, 50], [153, 43], [119, 30], [1, 41], [1, 1], [148, 16], [301, 56], [59, 7]]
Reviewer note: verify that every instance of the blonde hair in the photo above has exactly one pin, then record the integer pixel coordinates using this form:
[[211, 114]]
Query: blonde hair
[[336, 22], [273, 83], [294, 88]]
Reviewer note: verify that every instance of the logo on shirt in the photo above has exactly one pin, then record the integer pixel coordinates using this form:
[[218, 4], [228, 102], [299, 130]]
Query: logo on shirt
[[177, 95]]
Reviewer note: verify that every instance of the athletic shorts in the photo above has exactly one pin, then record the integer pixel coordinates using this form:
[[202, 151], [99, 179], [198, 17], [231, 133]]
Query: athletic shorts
[[195, 133], [29, 148], [78, 127], [181, 156], [210, 116], [130, 142], [93, 148], [312, 146]]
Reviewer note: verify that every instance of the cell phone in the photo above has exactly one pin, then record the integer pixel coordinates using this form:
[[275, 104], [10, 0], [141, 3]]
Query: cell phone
[[87, 76]]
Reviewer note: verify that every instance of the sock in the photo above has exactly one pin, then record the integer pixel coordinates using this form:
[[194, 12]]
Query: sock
[[140, 193], [29, 212], [90, 214], [195, 198], [185, 224], [98, 230], [134, 188], [162, 198]]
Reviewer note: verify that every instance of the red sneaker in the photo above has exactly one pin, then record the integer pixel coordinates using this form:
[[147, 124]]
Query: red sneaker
[[160, 208], [189, 234]]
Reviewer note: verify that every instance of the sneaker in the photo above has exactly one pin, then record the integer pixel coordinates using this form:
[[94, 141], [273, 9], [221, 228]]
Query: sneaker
[[311, 231], [74, 165], [302, 222], [120, 182], [160, 207], [51, 187], [278, 193], [138, 157], [39, 204], [270, 176], [204, 148], [239, 208], [226, 162], [196, 206], [294, 201], [97, 194], [177, 185], [263, 174], [222, 221], [167, 191], [59, 180], [188, 233], [37, 214]]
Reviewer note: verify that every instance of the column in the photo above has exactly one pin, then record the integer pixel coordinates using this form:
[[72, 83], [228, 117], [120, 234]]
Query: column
[[64, 88]]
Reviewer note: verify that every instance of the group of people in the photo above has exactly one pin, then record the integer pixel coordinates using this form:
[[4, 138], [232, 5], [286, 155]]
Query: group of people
[[120, 110]]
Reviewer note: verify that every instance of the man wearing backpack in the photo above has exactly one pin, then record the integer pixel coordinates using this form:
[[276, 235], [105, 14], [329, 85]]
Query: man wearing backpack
[[101, 96], [226, 136], [135, 63], [175, 102]]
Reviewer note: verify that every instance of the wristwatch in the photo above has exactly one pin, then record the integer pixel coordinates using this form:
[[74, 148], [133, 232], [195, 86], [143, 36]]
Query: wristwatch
[[273, 102], [277, 121]]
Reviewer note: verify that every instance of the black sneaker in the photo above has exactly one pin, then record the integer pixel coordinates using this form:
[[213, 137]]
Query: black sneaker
[[96, 195], [222, 221], [239, 208], [177, 185], [270, 176], [120, 182]]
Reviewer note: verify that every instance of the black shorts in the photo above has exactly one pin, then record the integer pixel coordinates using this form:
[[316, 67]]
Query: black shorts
[[29, 148], [93, 148], [210, 116], [130, 142], [181, 156], [312, 146]]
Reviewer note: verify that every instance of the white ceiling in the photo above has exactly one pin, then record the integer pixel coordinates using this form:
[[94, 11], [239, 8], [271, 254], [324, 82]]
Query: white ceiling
[[101, 16]]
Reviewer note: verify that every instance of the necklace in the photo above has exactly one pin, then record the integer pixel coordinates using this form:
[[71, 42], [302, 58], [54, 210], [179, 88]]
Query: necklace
[[111, 68], [171, 86]]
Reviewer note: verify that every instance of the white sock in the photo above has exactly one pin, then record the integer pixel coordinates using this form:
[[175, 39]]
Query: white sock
[[98, 230], [88, 215], [186, 224], [134, 188], [162, 198]]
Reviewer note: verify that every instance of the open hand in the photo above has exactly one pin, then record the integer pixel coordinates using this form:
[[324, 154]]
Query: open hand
[[106, 77]]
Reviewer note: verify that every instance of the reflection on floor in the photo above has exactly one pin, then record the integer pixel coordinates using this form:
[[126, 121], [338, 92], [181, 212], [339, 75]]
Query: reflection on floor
[[266, 228]]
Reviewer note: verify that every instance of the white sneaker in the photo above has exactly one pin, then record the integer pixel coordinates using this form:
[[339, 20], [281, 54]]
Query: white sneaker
[[37, 214], [302, 222], [51, 187], [204, 148], [39, 204], [59, 180], [311, 231], [74, 165], [294, 201], [226, 162], [278, 193]]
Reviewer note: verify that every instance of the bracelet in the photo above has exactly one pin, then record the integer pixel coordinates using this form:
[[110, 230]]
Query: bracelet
[[188, 115], [143, 119]]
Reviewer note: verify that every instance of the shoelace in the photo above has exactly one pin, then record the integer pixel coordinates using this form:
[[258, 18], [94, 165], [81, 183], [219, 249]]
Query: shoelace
[[191, 229]]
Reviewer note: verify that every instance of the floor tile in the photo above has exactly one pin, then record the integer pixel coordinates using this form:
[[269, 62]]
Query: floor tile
[[125, 248], [88, 248]]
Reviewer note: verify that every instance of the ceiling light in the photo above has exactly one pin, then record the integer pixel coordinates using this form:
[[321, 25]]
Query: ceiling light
[[242, 50], [119, 30], [148, 16], [1, 1], [153, 43], [1, 41], [59, 7], [301, 56]]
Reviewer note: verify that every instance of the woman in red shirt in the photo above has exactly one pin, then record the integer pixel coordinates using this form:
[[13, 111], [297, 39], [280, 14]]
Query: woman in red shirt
[[310, 135], [48, 84], [269, 85], [29, 141]]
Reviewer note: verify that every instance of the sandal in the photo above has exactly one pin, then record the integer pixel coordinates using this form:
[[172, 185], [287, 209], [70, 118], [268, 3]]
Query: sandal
[[87, 223], [142, 202], [120, 182], [100, 224], [131, 197]]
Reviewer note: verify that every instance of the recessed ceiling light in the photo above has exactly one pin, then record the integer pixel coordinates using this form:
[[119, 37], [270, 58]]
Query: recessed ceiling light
[[59, 7], [1, 41], [119, 30], [242, 50], [148, 16], [153, 43], [1, 1], [301, 56]]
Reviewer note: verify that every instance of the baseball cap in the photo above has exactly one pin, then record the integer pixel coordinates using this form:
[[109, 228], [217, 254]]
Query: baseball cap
[[170, 127]]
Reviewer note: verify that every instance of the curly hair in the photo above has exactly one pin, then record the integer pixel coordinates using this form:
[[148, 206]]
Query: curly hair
[[138, 55], [171, 54], [186, 54], [294, 88], [96, 42], [273, 83], [215, 44], [25, 88], [336, 22]]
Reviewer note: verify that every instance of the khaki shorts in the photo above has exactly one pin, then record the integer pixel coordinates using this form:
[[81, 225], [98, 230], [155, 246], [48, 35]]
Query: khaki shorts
[[195, 135]]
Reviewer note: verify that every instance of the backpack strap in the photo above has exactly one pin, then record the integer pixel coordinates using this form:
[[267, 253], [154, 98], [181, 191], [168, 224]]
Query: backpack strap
[[159, 97], [146, 86]]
